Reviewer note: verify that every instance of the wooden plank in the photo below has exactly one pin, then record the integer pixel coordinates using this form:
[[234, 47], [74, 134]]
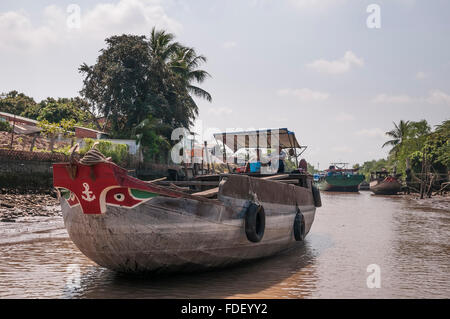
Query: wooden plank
[[156, 180], [190, 183], [287, 181], [275, 177], [208, 193]]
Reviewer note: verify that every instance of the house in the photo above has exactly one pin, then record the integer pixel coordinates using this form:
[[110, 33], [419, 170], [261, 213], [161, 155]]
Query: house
[[17, 119], [22, 125], [84, 132]]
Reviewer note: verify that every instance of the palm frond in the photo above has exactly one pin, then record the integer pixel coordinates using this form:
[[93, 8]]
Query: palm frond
[[198, 75], [390, 143], [200, 92]]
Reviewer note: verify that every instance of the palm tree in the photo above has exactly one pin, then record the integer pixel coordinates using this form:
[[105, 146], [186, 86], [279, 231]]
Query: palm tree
[[399, 134], [180, 60], [185, 62], [161, 45]]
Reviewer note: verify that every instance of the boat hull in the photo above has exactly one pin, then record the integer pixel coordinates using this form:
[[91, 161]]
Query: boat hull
[[385, 187], [167, 234], [341, 183]]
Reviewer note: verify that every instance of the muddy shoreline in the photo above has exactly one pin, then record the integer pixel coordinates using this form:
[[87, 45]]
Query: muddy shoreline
[[440, 202], [15, 204]]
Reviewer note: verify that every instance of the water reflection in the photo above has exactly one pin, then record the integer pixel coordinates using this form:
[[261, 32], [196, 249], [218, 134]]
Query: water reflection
[[287, 275]]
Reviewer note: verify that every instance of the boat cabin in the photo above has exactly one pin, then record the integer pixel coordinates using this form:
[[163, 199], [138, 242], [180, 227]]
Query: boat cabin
[[378, 175], [258, 153], [336, 169]]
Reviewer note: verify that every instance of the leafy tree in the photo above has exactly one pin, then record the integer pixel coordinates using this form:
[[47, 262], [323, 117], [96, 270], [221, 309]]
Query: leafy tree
[[408, 137], [15, 103], [118, 85], [52, 130], [136, 76], [439, 144], [5, 126], [437, 150], [374, 165], [148, 136], [54, 111]]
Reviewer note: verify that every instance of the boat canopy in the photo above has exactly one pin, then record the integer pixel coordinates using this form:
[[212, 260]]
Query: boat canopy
[[259, 139]]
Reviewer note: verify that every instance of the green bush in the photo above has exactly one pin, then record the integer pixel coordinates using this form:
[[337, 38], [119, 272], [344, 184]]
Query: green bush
[[63, 150], [5, 126], [117, 152]]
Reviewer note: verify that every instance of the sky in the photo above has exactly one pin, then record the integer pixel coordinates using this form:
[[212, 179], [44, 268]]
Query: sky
[[335, 72]]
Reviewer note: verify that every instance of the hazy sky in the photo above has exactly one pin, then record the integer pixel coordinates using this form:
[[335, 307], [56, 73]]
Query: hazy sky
[[312, 66]]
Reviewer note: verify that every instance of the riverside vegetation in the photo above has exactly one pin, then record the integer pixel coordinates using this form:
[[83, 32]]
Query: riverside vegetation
[[418, 149]]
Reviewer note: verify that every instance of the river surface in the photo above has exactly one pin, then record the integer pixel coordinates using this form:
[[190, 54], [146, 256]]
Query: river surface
[[406, 242]]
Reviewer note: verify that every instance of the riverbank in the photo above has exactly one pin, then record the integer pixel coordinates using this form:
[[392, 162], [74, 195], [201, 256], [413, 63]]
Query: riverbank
[[441, 202], [14, 205]]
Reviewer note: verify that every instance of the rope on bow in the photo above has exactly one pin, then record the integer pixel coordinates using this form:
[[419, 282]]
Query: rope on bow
[[94, 156]]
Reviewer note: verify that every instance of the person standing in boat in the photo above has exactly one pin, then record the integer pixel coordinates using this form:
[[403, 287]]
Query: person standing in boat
[[280, 156]]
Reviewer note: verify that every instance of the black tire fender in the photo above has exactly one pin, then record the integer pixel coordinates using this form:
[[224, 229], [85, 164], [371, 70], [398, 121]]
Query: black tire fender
[[255, 222], [299, 226], [316, 196]]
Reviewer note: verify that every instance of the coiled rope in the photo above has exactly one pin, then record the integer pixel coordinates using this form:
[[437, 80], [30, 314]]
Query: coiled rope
[[92, 157]]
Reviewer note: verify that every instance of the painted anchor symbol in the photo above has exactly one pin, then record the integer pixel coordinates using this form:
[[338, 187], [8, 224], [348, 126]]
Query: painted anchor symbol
[[87, 193]]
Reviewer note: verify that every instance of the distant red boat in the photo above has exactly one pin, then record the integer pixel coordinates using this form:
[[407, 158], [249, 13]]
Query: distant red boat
[[384, 184]]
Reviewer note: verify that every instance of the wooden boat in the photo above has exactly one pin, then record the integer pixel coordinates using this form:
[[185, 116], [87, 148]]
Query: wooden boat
[[384, 184], [128, 225], [340, 179], [364, 186]]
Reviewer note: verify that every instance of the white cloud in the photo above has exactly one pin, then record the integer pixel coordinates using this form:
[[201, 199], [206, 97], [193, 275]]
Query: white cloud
[[304, 94], [345, 117], [105, 19], [373, 132], [132, 15], [438, 97], [433, 97], [220, 110], [229, 44], [338, 66], [393, 99], [17, 31]]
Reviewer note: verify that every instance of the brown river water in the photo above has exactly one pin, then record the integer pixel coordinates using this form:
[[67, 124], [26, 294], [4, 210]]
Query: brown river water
[[408, 239]]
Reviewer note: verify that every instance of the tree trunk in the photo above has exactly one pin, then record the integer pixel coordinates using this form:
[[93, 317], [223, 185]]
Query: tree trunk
[[422, 177], [52, 143], [33, 142]]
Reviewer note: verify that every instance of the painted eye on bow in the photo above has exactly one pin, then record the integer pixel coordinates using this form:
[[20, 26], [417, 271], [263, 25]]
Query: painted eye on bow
[[119, 197]]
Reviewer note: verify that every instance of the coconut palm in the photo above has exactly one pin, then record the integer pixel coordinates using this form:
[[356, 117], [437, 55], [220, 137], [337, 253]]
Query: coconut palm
[[161, 45], [180, 60], [399, 134], [185, 62]]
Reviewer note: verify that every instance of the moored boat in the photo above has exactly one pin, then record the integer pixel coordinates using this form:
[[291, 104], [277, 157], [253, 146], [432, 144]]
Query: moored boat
[[384, 184], [340, 179], [129, 225]]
